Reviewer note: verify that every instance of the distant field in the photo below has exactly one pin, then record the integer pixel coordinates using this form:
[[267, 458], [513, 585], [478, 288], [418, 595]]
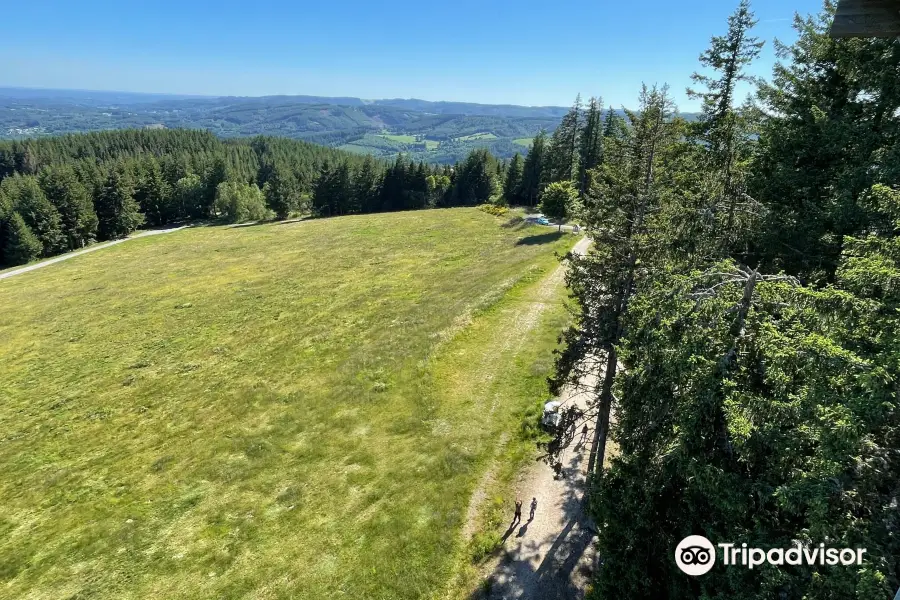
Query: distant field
[[483, 135], [524, 142], [431, 144], [278, 411], [405, 139]]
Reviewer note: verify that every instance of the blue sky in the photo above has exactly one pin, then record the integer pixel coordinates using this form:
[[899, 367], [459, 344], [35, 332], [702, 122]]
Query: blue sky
[[531, 53]]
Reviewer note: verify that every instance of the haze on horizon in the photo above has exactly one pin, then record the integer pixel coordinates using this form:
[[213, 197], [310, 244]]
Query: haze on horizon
[[504, 53]]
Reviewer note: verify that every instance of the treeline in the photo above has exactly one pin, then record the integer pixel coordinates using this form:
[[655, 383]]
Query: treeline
[[740, 308], [59, 194]]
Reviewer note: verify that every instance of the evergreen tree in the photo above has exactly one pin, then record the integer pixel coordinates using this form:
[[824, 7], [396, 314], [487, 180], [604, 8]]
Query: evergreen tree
[[333, 191], [560, 164], [28, 199], [724, 130], [613, 125], [153, 195], [366, 185], [72, 200], [282, 192], [832, 132], [392, 188], [532, 170], [20, 245], [512, 186], [620, 213], [590, 150], [475, 181], [118, 213], [217, 172]]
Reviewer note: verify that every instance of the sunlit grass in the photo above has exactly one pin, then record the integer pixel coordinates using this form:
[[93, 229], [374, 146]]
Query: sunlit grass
[[286, 410]]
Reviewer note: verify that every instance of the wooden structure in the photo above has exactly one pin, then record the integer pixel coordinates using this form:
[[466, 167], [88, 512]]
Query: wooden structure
[[866, 18]]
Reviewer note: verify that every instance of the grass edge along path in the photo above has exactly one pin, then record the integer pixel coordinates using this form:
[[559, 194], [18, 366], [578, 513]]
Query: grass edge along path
[[541, 317]]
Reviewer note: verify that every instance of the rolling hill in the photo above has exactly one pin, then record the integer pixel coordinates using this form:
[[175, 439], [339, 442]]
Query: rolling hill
[[440, 132]]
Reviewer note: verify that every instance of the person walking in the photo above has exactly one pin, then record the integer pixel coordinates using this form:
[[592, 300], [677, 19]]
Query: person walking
[[584, 432], [518, 514], [533, 509]]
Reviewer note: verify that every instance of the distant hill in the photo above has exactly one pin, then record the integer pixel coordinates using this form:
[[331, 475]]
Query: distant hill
[[437, 132]]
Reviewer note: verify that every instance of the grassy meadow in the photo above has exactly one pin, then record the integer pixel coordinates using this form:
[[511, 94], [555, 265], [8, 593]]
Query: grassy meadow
[[296, 410]]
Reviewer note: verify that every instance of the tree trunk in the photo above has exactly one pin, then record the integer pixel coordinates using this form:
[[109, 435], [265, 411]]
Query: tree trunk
[[601, 431]]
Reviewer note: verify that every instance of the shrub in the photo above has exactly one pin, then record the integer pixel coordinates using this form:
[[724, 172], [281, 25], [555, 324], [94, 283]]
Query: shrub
[[493, 209], [238, 202]]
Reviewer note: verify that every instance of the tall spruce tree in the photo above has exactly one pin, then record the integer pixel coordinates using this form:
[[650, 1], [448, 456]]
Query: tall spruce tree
[[20, 245], [532, 170], [72, 200], [366, 186], [619, 213], [153, 194], [590, 149], [613, 125], [724, 130], [28, 199], [512, 185], [282, 191], [118, 213], [561, 161]]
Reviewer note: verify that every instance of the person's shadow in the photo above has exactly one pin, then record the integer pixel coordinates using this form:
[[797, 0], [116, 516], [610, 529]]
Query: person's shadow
[[524, 527], [512, 527]]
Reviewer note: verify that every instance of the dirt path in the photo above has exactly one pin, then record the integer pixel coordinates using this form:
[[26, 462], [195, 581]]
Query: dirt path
[[551, 555], [93, 248]]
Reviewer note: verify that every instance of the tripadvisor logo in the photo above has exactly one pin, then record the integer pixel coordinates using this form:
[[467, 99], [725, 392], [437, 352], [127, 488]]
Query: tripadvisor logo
[[696, 555]]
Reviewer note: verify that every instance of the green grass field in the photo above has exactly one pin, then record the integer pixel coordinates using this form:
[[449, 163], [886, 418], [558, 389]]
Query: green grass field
[[405, 139], [278, 411], [481, 135], [524, 142]]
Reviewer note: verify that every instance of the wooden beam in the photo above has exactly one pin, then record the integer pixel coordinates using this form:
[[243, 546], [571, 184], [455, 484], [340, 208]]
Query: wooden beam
[[866, 18]]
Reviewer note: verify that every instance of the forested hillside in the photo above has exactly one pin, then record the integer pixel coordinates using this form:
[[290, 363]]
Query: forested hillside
[[436, 132], [740, 306]]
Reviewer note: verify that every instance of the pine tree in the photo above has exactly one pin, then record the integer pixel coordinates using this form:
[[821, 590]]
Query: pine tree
[[366, 187], [832, 131], [532, 170], [475, 181], [217, 172], [590, 150], [512, 185], [153, 195], [722, 129], [73, 202], [613, 125], [620, 212], [118, 213], [282, 191], [20, 244], [28, 199], [562, 152]]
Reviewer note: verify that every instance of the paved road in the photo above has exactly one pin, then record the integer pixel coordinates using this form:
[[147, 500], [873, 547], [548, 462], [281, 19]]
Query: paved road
[[551, 556], [93, 248]]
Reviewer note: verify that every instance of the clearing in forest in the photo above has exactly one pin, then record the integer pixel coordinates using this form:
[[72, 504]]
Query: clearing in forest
[[284, 410]]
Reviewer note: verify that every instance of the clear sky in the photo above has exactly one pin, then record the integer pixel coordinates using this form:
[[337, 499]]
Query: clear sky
[[490, 51]]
